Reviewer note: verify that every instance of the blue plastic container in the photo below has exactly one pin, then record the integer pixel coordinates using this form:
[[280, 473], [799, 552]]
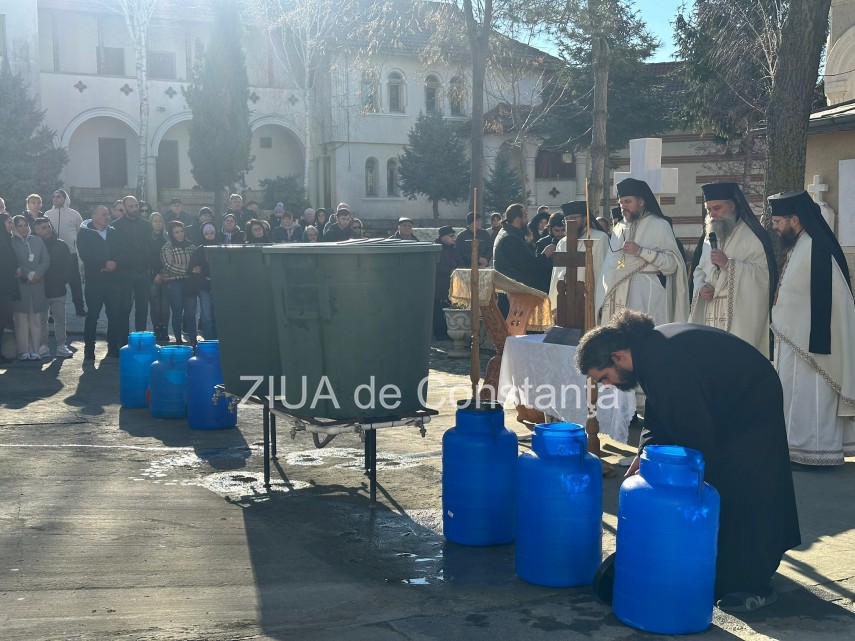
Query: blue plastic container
[[559, 511], [479, 458], [135, 359], [168, 381], [203, 373], [667, 538]]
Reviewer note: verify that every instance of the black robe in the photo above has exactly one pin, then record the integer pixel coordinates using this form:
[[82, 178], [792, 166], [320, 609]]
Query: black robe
[[708, 390]]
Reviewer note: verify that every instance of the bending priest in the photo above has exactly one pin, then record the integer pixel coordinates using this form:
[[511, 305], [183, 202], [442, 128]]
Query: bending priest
[[733, 269]]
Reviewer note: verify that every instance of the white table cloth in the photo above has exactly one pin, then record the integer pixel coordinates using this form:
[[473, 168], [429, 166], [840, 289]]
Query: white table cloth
[[543, 376]]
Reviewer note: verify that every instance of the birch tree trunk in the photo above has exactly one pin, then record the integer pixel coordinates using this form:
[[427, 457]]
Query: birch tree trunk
[[140, 51], [308, 141], [137, 16], [747, 157], [802, 38]]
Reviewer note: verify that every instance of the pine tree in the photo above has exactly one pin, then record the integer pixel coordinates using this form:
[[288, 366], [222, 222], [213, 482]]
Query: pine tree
[[32, 163], [434, 163], [502, 188], [220, 135]]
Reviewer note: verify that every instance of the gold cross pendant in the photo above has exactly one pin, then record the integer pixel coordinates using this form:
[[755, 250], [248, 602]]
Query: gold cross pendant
[[621, 264]]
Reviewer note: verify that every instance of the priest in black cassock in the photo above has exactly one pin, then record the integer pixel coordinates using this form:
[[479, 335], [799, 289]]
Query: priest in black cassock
[[711, 391]]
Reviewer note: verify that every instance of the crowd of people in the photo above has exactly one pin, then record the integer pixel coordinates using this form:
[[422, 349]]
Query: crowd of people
[[133, 258]]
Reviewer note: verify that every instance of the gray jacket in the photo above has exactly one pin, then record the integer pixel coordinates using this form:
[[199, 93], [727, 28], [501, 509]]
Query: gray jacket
[[32, 257]]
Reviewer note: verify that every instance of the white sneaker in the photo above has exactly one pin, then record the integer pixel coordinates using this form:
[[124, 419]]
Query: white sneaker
[[44, 351], [35, 357], [24, 356], [63, 352]]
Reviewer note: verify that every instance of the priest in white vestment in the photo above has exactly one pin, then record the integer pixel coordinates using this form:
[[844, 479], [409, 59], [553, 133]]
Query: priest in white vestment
[[578, 211], [733, 270], [644, 268], [813, 320]]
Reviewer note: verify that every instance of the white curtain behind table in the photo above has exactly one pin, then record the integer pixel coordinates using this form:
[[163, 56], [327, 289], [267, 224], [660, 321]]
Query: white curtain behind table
[[544, 376]]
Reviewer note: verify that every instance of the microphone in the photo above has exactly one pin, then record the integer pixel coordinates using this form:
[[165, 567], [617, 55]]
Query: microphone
[[713, 240], [713, 243]]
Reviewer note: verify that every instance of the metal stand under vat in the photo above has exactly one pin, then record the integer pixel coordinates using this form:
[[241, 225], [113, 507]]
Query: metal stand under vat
[[324, 431]]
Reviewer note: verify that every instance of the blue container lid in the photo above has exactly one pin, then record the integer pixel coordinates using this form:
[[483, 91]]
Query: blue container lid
[[477, 405], [559, 439], [208, 348], [141, 339], [672, 465], [174, 353], [672, 455]]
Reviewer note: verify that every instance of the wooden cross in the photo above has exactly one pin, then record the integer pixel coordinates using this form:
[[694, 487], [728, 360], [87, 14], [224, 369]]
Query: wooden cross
[[571, 292]]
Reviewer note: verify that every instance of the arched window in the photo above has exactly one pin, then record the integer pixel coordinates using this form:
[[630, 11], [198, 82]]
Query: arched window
[[456, 96], [432, 87], [371, 178], [397, 95], [554, 165], [392, 177], [369, 93]]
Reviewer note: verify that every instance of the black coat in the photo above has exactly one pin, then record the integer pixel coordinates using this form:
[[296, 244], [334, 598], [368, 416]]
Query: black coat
[[155, 244], [8, 267], [94, 251], [59, 272], [463, 244], [514, 257], [335, 234], [201, 281], [133, 234], [449, 260], [708, 390]]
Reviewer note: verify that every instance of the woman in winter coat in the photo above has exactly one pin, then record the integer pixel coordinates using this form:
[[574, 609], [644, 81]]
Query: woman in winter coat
[[175, 256], [8, 282], [157, 297], [199, 283], [255, 233], [231, 234], [33, 262]]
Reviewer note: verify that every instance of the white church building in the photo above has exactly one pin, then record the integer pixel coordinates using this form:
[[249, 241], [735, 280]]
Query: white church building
[[77, 57]]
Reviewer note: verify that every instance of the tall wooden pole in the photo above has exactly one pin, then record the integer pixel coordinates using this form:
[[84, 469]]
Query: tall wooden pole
[[475, 304], [599, 146]]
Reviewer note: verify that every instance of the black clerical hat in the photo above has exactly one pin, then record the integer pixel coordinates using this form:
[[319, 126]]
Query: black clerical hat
[[445, 231], [640, 189], [633, 187], [575, 208], [792, 203], [719, 191]]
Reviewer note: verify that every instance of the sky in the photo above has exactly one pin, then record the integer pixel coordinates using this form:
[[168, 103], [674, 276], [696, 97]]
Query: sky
[[658, 14]]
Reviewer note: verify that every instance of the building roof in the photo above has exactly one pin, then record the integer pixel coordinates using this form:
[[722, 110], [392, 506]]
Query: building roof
[[837, 118]]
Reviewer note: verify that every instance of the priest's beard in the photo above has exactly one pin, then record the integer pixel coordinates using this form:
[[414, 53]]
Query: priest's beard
[[634, 216], [788, 238], [628, 380], [722, 227]]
